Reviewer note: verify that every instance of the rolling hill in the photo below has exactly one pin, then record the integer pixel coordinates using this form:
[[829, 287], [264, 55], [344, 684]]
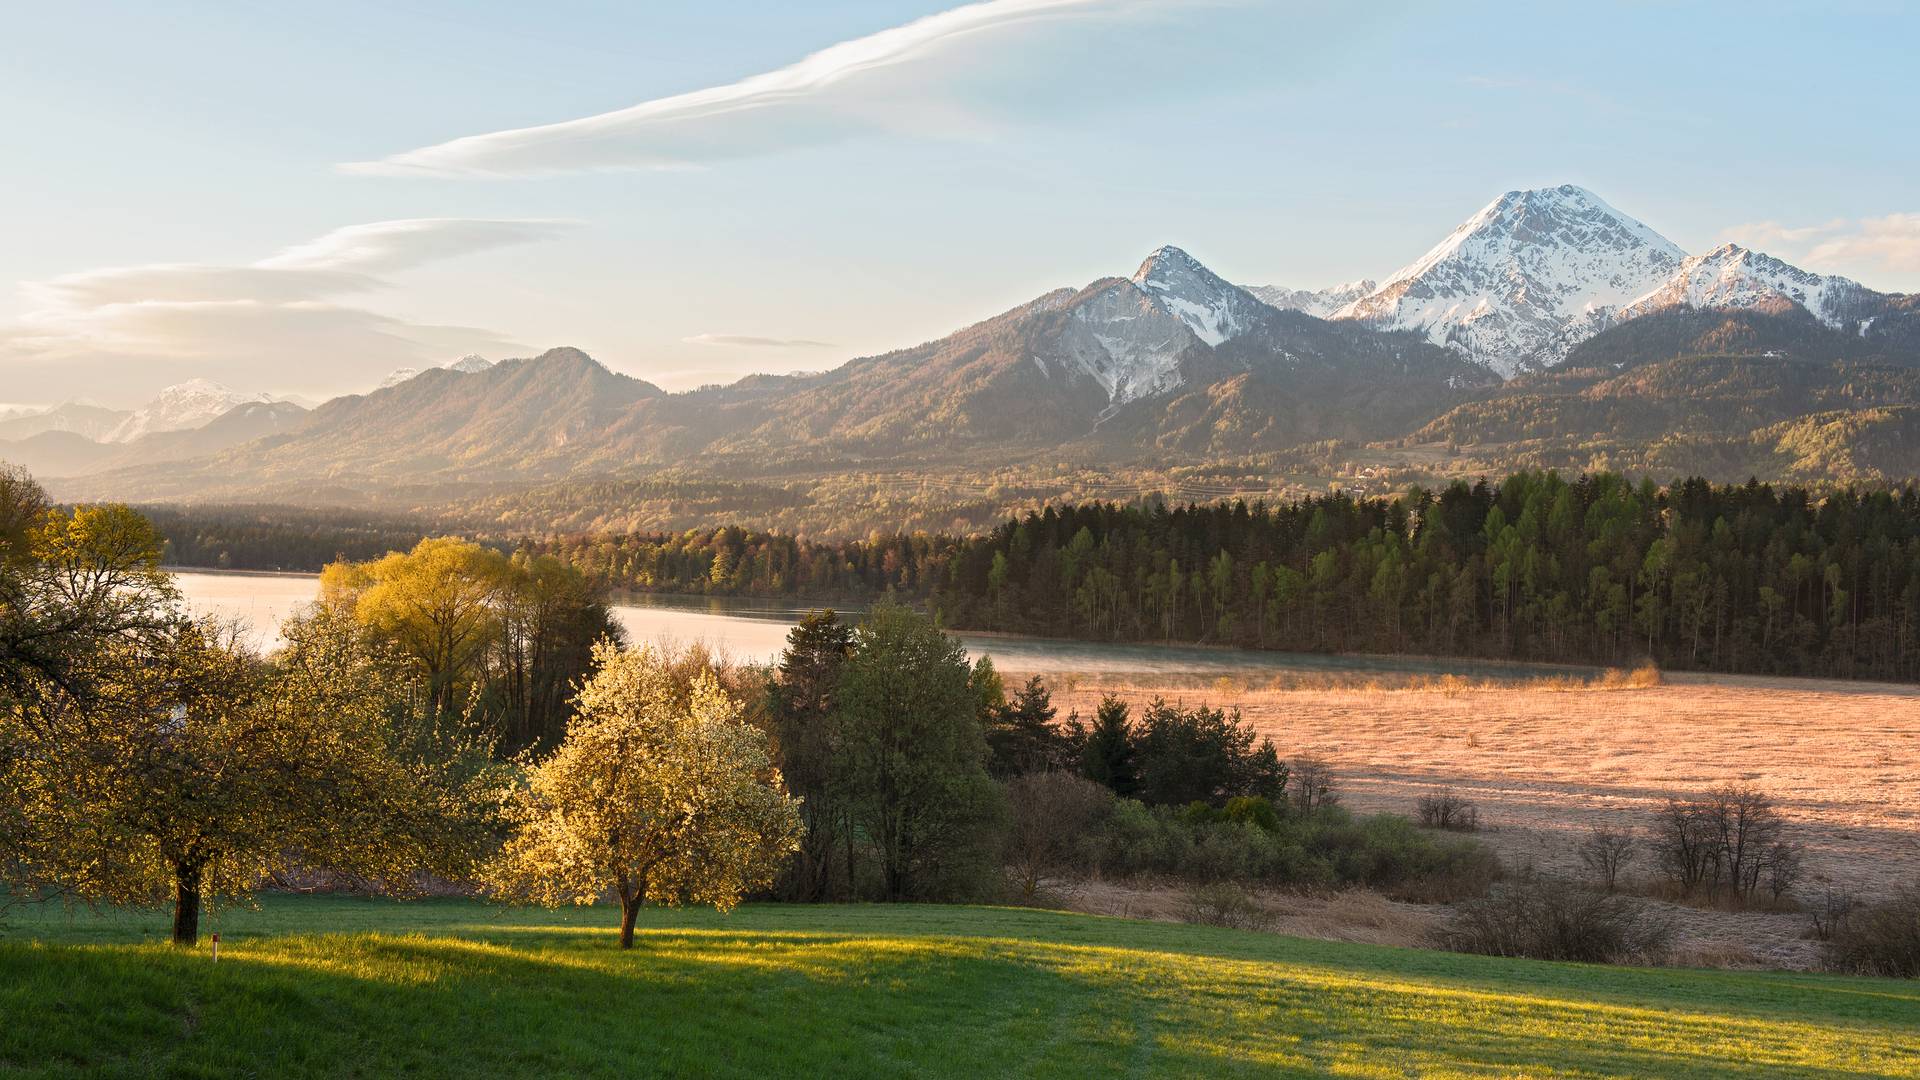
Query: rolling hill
[[316, 985]]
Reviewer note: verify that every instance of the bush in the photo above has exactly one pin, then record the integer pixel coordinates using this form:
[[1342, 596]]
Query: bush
[[1052, 814], [1255, 842], [1448, 809], [1225, 904], [1881, 938], [1547, 918]]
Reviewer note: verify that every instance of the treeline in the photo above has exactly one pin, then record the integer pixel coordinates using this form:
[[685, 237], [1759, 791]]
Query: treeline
[[283, 538], [1745, 578]]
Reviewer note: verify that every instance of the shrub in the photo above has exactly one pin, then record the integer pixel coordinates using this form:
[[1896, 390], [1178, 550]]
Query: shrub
[[1548, 918], [1605, 852], [1326, 848], [1448, 809], [1225, 904], [1052, 814], [1881, 938]]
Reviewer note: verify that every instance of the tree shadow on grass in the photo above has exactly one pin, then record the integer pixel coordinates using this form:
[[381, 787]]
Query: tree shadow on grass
[[749, 998]]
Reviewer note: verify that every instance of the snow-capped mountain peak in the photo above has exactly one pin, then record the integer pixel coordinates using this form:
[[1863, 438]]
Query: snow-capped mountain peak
[[181, 407], [1213, 308], [1523, 280], [469, 364], [1731, 276]]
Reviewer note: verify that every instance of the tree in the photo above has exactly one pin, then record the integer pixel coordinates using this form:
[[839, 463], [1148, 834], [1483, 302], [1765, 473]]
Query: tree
[[806, 733], [914, 757], [1022, 736], [502, 642], [1106, 749], [439, 604], [191, 769], [657, 795], [1203, 755]]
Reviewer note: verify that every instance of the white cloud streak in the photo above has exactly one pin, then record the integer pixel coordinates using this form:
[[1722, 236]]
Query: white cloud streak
[[891, 80], [752, 342]]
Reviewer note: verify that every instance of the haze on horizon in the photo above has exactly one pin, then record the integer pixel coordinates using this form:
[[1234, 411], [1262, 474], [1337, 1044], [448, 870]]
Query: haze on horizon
[[300, 204]]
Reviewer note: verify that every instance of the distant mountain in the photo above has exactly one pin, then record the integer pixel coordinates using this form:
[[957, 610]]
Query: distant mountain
[[90, 422], [1522, 281], [466, 365], [54, 453], [181, 407]]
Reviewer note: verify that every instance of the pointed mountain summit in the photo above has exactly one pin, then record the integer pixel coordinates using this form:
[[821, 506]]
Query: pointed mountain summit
[[1214, 309], [1526, 278]]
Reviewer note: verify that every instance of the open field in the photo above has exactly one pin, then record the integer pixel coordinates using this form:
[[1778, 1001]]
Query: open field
[[1547, 763], [331, 986]]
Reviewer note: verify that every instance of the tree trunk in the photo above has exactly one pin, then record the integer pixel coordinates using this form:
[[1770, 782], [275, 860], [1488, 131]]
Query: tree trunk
[[629, 908], [186, 904]]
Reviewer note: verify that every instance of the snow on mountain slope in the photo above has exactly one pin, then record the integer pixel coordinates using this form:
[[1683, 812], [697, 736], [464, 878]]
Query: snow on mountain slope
[[180, 407], [466, 365], [1215, 310], [1731, 276], [469, 364], [1130, 335], [1523, 280], [1320, 303], [1122, 338]]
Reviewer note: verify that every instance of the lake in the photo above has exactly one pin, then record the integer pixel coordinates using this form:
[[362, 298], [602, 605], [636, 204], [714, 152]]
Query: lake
[[750, 629]]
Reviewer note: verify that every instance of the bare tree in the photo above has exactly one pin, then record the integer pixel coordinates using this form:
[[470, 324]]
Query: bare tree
[[1605, 853], [1312, 784], [1051, 812]]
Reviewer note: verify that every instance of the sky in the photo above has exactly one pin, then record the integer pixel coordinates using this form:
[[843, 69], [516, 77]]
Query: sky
[[300, 198]]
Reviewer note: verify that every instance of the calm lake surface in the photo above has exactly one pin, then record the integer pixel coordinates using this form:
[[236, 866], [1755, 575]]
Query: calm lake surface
[[757, 630]]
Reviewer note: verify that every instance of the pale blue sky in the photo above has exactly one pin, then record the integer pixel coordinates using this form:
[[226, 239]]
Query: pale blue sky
[[1299, 144]]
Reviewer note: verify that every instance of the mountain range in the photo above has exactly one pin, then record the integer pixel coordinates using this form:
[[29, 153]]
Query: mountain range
[[1549, 328]]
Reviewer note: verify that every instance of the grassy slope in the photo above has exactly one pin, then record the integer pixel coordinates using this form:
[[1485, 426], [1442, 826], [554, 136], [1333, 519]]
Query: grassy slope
[[350, 987]]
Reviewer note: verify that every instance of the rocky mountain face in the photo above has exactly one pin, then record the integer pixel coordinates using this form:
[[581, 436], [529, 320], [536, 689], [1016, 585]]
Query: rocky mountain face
[[1317, 302]]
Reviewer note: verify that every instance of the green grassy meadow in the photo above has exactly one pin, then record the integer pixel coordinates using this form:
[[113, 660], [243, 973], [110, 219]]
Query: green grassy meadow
[[326, 986]]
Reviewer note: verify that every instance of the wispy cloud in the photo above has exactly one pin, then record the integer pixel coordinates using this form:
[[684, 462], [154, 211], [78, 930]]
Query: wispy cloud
[[901, 78], [749, 341], [1860, 247], [285, 313]]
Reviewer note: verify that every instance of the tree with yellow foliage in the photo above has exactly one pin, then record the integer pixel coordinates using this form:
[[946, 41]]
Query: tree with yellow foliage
[[438, 604], [660, 793]]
